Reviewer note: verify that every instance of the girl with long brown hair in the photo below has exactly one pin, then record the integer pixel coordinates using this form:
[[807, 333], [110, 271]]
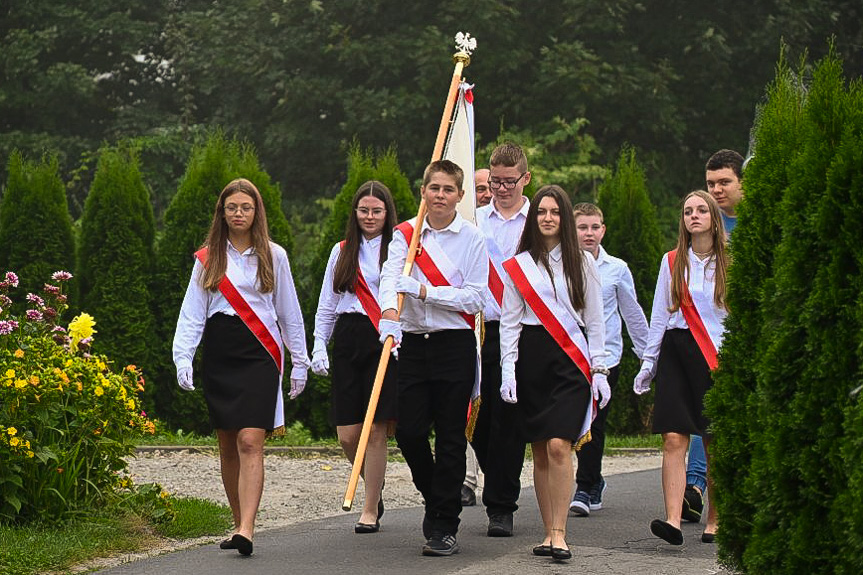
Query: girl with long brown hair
[[348, 310], [686, 328], [552, 299], [241, 300]]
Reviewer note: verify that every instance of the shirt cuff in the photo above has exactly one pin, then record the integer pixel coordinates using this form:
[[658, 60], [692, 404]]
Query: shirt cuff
[[507, 371], [299, 372], [649, 366]]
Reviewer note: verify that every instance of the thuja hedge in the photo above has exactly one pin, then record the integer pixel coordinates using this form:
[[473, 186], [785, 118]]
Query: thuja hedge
[[787, 506], [632, 234], [187, 219]]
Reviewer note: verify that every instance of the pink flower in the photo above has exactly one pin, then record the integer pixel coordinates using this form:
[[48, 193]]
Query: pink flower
[[61, 276], [34, 315], [11, 279], [33, 298], [50, 312], [59, 329], [8, 326], [51, 289], [62, 298], [5, 299], [143, 413]]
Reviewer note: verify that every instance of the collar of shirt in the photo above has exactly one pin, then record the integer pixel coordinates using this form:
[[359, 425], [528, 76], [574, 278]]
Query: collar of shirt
[[248, 251], [454, 226], [556, 253], [374, 242], [525, 206], [602, 258]]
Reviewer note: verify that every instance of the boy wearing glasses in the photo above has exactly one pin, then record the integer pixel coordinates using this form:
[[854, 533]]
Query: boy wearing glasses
[[496, 441]]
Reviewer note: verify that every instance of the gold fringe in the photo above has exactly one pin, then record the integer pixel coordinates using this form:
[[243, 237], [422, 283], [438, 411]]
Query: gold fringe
[[471, 421], [581, 441], [277, 432]]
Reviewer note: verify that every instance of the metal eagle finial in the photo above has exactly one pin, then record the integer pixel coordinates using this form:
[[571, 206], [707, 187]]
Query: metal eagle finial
[[464, 43]]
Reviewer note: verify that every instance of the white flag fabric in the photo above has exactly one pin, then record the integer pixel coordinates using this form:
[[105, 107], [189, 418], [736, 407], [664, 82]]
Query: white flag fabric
[[460, 149]]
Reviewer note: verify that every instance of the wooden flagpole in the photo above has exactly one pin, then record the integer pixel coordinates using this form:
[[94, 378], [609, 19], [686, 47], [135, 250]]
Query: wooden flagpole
[[462, 60]]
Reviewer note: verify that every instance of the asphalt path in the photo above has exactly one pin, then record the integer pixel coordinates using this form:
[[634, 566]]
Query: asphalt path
[[614, 540]]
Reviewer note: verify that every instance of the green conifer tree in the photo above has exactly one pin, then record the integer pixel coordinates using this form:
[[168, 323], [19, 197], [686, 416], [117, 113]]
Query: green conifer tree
[[633, 235], [187, 220], [35, 227], [731, 404], [116, 260]]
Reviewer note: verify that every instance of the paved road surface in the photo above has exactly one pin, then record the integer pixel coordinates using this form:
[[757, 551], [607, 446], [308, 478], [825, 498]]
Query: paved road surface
[[615, 540]]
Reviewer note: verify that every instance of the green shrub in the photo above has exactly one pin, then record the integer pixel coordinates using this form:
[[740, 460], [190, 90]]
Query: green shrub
[[633, 235], [116, 259], [35, 227], [67, 418], [187, 219]]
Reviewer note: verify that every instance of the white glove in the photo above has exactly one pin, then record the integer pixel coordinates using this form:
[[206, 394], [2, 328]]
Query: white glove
[[297, 387], [507, 391], [320, 362], [641, 385], [601, 388], [409, 286], [388, 327], [184, 378]]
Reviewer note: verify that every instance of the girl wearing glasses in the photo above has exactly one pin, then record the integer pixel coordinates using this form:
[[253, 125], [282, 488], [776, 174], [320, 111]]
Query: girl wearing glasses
[[349, 312], [241, 300], [552, 299], [686, 328]]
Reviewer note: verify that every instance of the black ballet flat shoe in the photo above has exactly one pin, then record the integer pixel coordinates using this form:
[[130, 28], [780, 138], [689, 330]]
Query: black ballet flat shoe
[[242, 544], [227, 544], [367, 527], [381, 506], [666, 531], [542, 550], [708, 537], [561, 553]]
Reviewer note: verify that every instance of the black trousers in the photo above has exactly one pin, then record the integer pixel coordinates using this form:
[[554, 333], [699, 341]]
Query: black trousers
[[497, 441], [589, 471], [436, 375]]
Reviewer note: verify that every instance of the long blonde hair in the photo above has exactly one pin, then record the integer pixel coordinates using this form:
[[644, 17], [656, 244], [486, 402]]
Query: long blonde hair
[[217, 239], [680, 270]]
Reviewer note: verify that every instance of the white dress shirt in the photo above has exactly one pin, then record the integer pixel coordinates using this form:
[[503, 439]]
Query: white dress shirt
[[332, 304], [506, 233], [619, 299], [701, 279], [515, 312], [282, 306], [464, 245]]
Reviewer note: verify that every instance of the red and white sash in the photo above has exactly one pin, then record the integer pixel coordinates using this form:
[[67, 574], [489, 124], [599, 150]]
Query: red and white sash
[[241, 293], [436, 265], [495, 271], [700, 316], [563, 327], [367, 294]]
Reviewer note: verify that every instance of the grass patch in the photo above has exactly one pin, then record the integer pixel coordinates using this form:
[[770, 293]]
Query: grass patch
[[31, 549], [295, 435], [633, 441]]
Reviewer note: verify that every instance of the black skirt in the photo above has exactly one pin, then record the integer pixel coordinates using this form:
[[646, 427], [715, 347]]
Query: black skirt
[[356, 354], [682, 379], [241, 380], [552, 392]]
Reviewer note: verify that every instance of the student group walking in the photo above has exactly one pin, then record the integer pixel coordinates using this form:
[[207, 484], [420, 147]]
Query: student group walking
[[553, 303]]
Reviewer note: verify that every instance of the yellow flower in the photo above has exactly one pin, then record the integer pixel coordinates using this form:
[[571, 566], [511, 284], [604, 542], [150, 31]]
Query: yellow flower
[[34, 380], [30, 454], [101, 365], [130, 404], [27, 444], [10, 373], [14, 441], [81, 328], [80, 387], [11, 431], [20, 383], [99, 391], [163, 494], [19, 353]]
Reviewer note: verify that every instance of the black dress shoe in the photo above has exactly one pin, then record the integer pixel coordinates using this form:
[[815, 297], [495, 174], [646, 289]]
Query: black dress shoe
[[468, 496], [381, 506], [542, 550], [227, 544], [500, 525], [708, 537], [242, 544], [561, 553], [367, 527], [666, 531]]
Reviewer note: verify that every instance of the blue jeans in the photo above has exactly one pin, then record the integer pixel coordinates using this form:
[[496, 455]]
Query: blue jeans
[[696, 468]]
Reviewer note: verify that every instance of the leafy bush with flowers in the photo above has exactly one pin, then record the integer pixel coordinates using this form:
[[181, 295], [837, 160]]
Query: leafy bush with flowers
[[67, 417]]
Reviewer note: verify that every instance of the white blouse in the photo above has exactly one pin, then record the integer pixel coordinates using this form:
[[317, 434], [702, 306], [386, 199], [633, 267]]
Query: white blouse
[[515, 312]]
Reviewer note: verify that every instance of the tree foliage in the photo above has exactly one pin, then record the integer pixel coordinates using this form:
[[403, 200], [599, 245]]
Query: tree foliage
[[187, 219], [35, 227], [632, 235], [116, 259]]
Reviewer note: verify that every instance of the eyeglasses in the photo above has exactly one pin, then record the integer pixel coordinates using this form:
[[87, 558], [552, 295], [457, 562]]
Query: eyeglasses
[[375, 213], [232, 209], [496, 184]]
